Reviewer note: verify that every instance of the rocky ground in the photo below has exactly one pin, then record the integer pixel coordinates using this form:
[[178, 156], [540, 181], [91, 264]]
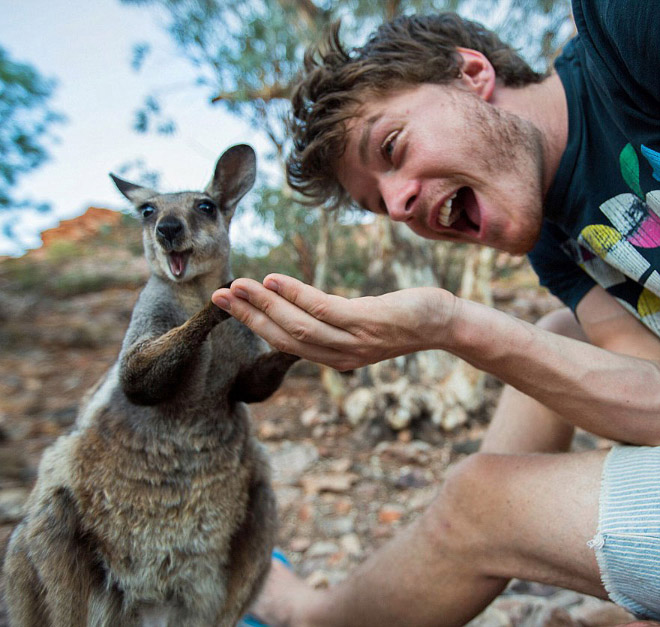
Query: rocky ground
[[341, 495]]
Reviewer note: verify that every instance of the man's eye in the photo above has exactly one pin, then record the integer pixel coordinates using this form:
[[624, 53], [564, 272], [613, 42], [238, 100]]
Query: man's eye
[[388, 145]]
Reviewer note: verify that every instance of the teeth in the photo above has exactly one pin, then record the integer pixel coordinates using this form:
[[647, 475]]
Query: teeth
[[447, 216]]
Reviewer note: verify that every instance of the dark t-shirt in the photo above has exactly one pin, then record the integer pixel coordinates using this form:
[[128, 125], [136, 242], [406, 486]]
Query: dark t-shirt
[[602, 216]]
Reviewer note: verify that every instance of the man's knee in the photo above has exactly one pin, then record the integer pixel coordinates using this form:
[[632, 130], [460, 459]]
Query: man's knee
[[461, 516]]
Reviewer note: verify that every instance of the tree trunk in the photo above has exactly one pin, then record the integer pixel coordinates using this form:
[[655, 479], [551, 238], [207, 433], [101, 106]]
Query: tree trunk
[[333, 382], [327, 220]]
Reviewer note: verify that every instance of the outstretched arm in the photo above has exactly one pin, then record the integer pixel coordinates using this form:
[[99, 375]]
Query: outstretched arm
[[152, 370], [609, 393]]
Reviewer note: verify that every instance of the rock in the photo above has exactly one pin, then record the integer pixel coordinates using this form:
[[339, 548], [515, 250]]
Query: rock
[[342, 506], [335, 527], [525, 610], [521, 586], [467, 446], [336, 482], [453, 417], [82, 227], [286, 496], [421, 498], [306, 512], [342, 464], [322, 549], [548, 616], [12, 503], [597, 613], [566, 598], [314, 416], [411, 478], [318, 579], [269, 430], [299, 544], [415, 452], [290, 460], [65, 416], [491, 617], [351, 544], [391, 513], [380, 532], [399, 417], [14, 463], [367, 491], [360, 406]]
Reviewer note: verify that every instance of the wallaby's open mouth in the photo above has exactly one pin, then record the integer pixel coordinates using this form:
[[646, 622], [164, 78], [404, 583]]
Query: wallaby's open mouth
[[178, 262]]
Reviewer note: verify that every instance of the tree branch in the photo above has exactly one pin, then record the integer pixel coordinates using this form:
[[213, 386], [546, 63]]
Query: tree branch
[[265, 93], [308, 11]]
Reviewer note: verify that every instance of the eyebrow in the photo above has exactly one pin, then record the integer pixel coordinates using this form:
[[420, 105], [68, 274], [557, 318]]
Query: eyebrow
[[365, 137]]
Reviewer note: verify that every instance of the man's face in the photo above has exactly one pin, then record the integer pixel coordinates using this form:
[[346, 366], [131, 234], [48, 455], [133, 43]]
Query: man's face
[[448, 164]]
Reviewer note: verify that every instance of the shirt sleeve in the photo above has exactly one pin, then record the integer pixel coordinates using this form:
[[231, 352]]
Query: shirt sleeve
[[556, 270], [622, 40]]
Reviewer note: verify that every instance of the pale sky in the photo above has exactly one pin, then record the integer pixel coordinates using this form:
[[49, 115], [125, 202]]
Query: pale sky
[[87, 46]]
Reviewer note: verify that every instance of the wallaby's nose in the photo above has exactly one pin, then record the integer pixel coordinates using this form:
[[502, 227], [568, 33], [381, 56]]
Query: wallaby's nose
[[169, 228]]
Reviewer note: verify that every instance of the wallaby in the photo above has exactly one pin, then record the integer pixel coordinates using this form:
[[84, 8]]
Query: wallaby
[[157, 509]]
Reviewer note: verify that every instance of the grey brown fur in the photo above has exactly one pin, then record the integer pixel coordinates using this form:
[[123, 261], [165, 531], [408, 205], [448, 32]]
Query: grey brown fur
[[157, 509]]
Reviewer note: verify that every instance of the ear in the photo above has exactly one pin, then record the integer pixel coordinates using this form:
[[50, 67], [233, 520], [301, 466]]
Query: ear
[[234, 176], [135, 193], [477, 72]]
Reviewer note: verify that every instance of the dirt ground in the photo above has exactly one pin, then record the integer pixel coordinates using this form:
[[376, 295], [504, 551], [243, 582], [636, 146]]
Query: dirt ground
[[341, 493]]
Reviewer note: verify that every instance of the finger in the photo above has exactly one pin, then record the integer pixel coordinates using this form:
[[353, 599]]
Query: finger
[[244, 311], [299, 323], [333, 310]]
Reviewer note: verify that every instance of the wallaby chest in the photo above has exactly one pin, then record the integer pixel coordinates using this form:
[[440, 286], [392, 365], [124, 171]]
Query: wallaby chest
[[157, 507]]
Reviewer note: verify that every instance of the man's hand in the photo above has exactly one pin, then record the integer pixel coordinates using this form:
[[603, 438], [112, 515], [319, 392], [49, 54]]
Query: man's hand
[[342, 333]]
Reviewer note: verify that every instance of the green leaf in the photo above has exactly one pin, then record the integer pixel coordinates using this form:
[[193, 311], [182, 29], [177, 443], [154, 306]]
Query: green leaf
[[630, 169]]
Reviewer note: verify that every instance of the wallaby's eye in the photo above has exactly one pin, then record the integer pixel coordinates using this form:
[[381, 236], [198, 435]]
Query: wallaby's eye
[[147, 210], [206, 207]]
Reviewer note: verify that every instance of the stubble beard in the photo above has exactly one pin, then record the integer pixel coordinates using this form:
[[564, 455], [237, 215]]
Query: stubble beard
[[516, 152]]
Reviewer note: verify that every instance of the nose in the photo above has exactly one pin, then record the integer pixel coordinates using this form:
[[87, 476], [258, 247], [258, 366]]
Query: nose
[[399, 198], [168, 228]]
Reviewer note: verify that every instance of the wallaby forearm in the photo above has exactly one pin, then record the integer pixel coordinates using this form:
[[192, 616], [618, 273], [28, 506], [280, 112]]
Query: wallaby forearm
[[258, 381], [152, 371]]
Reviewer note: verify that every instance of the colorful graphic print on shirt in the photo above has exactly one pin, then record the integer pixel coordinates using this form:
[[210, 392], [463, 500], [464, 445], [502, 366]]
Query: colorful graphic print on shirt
[[611, 255]]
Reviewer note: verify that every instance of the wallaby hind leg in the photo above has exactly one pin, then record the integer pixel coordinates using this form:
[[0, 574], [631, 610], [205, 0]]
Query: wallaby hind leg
[[251, 552], [61, 558], [24, 594]]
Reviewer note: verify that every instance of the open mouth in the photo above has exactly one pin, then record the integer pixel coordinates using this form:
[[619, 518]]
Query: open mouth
[[461, 212], [178, 262]]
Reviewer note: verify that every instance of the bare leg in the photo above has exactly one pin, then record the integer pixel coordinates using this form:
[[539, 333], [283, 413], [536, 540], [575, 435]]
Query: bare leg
[[497, 516]]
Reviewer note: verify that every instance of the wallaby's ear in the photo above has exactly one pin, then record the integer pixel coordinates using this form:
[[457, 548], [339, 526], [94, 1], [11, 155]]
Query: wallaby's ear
[[135, 193], [234, 176]]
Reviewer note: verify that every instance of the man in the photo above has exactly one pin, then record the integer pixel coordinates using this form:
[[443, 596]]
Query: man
[[436, 123]]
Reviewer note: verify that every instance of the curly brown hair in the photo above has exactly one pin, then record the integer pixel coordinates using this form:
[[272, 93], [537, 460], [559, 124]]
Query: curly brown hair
[[335, 81]]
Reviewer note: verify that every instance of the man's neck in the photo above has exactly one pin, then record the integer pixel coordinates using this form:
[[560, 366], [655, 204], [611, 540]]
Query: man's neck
[[544, 105]]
